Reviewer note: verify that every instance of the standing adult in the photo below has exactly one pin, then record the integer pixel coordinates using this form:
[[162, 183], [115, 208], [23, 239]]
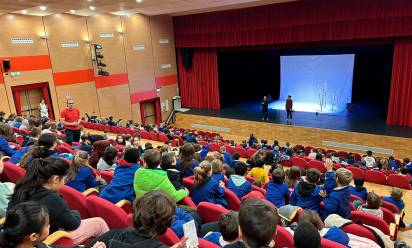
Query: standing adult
[[265, 109], [44, 111], [71, 120], [289, 106]]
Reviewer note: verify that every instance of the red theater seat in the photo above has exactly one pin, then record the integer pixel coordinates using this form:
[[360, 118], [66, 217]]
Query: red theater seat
[[233, 201], [359, 230], [13, 172], [325, 243], [370, 220], [398, 181], [210, 212], [242, 152], [356, 172], [283, 238], [114, 216], [75, 200], [375, 177], [317, 165], [299, 162]]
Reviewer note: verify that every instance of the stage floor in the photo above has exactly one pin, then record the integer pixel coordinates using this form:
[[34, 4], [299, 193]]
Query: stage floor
[[363, 120]]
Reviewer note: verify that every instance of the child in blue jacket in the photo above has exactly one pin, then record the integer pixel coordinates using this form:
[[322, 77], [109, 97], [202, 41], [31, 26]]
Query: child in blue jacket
[[217, 168], [277, 190], [121, 185], [358, 189], [80, 175], [338, 199], [396, 198], [306, 193], [206, 188], [227, 158], [238, 183], [6, 132]]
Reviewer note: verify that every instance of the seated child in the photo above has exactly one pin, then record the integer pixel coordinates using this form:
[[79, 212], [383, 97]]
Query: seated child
[[237, 183], [368, 160], [403, 171], [207, 189], [227, 171], [333, 233], [373, 204], [107, 162], [338, 199], [236, 157], [227, 158], [277, 190], [258, 172], [306, 236], [396, 198], [393, 165], [307, 194], [80, 175], [121, 185], [85, 145], [257, 224], [358, 189], [228, 230], [293, 176], [168, 164], [6, 189], [217, 168]]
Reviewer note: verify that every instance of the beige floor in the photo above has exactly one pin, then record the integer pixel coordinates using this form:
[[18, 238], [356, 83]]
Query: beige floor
[[377, 188]]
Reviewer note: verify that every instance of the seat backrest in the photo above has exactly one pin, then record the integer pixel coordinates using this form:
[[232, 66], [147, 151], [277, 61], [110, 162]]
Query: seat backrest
[[392, 207], [299, 162], [283, 238], [355, 197], [64, 149], [242, 152], [388, 216], [153, 136], [206, 244], [250, 179], [145, 134], [229, 149], [210, 212], [317, 165], [398, 181], [187, 201], [375, 177], [188, 183], [256, 188], [163, 137], [114, 216], [370, 220], [251, 152], [106, 175], [232, 200], [342, 154], [75, 200], [13, 172], [359, 230], [215, 147], [326, 243], [169, 238], [356, 172]]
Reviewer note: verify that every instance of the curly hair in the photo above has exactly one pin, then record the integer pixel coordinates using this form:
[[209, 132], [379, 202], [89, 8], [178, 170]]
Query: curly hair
[[153, 213]]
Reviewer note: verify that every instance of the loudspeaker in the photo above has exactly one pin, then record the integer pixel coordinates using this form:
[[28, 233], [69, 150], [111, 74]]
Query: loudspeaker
[[6, 65], [186, 54]]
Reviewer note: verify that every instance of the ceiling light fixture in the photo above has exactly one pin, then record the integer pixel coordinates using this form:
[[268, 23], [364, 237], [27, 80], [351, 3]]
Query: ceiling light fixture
[[92, 7], [24, 11], [43, 8], [72, 11], [139, 1]]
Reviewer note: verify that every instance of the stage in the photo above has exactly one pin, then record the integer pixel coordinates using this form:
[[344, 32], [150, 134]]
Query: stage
[[364, 119]]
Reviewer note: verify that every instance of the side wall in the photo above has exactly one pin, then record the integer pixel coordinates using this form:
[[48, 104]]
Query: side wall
[[140, 57]]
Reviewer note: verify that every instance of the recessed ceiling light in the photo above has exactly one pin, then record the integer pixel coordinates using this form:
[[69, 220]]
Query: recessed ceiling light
[[72, 11], [92, 7], [43, 8], [24, 11], [139, 1]]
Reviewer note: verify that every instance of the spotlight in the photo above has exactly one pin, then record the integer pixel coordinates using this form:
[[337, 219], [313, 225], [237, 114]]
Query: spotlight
[[139, 1], [24, 11], [43, 8], [102, 73], [100, 64], [99, 56], [92, 7], [98, 47], [72, 11]]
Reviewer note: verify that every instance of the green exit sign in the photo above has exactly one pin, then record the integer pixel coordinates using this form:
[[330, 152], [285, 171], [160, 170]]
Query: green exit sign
[[15, 73]]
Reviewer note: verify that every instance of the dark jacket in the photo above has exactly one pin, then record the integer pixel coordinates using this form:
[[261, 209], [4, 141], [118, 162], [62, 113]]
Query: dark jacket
[[306, 196], [189, 171], [125, 238], [175, 178], [359, 191], [61, 217], [209, 191]]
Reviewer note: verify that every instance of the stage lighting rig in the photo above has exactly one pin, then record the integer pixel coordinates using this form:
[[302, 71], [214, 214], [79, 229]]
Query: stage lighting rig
[[98, 56]]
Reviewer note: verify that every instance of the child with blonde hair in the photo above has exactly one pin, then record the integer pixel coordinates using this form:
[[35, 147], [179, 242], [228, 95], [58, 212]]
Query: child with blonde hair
[[338, 199], [80, 176]]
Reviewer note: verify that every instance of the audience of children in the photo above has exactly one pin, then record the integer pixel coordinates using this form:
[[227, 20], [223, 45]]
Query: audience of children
[[277, 191], [396, 198], [168, 164], [207, 189], [151, 178], [306, 236], [292, 176], [237, 182]]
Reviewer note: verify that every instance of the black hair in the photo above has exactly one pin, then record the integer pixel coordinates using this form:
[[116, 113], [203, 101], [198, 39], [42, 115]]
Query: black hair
[[306, 235], [404, 170], [40, 148], [236, 156], [358, 181], [278, 175], [22, 220], [37, 175], [240, 168], [229, 226]]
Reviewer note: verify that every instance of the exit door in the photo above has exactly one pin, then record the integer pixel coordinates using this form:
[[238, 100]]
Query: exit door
[[27, 99], [150, 111]]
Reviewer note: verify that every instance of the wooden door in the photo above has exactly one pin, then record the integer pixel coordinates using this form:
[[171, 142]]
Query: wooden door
[[30, 101], [149, 109]]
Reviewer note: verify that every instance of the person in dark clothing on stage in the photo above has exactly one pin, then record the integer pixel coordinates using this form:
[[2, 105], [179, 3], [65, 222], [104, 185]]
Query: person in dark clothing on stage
[[289, 106], [265, 109]]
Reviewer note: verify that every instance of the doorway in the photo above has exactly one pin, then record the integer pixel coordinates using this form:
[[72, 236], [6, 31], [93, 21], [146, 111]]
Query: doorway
[[150, 111], [27, 99]]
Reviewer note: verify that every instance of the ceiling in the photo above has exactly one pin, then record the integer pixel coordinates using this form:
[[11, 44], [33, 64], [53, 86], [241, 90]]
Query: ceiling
[[125, 7]]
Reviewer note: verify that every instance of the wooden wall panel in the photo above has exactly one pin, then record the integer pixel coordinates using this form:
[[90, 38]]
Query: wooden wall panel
[[166, 93], [240, 130], [115, 101], [4, 102], [84, 96]]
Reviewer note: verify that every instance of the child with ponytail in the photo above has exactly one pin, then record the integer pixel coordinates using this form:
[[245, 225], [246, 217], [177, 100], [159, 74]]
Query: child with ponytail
[[206, 188], [43, 148], [80, 175], [41, 184]]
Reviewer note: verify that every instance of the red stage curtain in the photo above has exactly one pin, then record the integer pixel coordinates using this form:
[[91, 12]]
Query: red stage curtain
[[400, 101], [199, 87], [296, 22]]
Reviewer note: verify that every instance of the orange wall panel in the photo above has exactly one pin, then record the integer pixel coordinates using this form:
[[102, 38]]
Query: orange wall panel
[[115, 101]]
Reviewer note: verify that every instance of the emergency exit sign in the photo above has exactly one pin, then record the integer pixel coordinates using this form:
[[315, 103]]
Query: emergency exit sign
[[15, 73]]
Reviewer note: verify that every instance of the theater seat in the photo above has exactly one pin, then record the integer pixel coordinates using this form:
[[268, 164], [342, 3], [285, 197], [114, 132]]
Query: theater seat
[[210, 212], [169, 238], [398, 181], [283, 238], [356, 172], [75, 200], [359, 230], [392, 207], [59, 238], [317, 165], [13, 172], [188, 183], [233, 201], [299, 162], [355, 197], [370, 220], [114, 216], [187, 201], [325, 243], [373, 176]]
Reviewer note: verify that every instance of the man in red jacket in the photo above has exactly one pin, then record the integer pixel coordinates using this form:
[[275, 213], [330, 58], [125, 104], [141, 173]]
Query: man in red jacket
[[289, 106], [71, 122]]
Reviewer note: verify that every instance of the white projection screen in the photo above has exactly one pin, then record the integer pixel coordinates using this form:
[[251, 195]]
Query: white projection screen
[[317, 83]]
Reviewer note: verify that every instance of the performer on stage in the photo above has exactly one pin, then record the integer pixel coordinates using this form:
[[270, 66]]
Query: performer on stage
[[289, 107], [265, 103]]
